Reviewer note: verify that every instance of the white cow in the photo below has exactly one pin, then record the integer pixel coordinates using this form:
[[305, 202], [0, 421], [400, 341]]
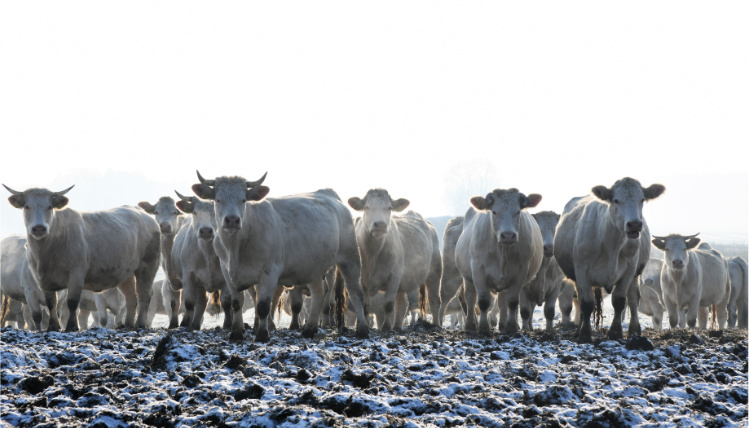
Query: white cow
[[567, 300], [651, 296], [195, 263], [500, 249], [545, 287], [602, 241], [170, 220], [281, 241], [737, 305], [691, 278], [399, 254], [18, 283], [96, 251]]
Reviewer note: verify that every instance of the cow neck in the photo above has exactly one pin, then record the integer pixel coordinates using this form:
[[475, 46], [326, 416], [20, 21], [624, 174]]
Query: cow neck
[[373, 247], [167, 244], [56, 246]]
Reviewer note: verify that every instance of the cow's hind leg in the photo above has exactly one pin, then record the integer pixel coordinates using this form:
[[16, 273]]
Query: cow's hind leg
[[131, 300], [317, 296], [471, 298]]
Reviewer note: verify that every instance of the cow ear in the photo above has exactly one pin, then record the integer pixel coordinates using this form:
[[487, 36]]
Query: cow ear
[[147, 207], [659, 244], [18, 201], [185, 206], [479, 202], [692, 243], [602, 192], [654, 191], [532, 200], [356, 203], [59, 202], [257, 193], [400, 204], [203, 191]]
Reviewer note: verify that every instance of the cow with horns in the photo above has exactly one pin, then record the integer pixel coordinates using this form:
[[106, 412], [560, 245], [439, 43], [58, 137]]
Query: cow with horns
[[281, 241]]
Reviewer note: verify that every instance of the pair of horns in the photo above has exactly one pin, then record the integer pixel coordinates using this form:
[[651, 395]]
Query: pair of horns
[[213, 182], [663, 238], [60, 193]]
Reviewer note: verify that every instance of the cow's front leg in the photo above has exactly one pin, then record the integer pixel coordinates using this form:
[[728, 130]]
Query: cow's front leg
[[227, 306], [585, 296], [633, 301], [471, 298], [484, 298], [511, 321], [75, 287], [50, 299], [317, 296], [266, 288], [388, 302], [131, 300], [402, 307]]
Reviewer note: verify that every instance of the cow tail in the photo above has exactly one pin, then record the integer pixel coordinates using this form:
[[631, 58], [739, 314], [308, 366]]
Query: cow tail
[[5, 310], [423, 301], [598, 311], [340, 300], [215, 303]]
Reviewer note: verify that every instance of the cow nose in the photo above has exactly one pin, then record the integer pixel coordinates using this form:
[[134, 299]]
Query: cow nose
[[508, 237], [634, 226], [649, 281], [678, 264], [548, 250], [232, 222], [39, 230], [206, 232], [166, 228]]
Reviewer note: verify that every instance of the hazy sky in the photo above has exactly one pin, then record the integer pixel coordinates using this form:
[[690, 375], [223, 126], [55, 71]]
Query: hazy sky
[[127, 99]]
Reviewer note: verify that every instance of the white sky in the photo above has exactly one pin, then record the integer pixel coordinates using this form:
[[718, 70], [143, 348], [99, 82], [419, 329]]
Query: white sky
[[127, 99]]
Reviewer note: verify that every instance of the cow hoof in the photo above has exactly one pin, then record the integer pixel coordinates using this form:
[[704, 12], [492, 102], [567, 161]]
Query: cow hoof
[[71, 329], [262, 336], [362, 332], [614, 334], [309, 333], [632, 332], [173, 324], [236, 336], [485, 331]]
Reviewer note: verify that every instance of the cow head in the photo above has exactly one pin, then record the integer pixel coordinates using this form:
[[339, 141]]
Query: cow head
[[166, 214], [377, 206], [625, 200], [675, 248], [505, 207], [547, 222], [203, 216], [230, 194], [652, 272], [39, 206]]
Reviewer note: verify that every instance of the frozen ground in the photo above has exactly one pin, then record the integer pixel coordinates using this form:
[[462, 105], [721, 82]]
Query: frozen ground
[[418, 377]]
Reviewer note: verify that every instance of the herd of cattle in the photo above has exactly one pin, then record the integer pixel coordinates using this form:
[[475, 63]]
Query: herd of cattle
[[229, 243]]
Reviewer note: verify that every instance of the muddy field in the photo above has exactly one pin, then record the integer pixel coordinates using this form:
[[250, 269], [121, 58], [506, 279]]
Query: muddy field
[[418, 377]]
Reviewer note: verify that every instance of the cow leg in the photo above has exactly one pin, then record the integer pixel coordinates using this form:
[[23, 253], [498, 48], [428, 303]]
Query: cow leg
[[226, 305], [633, 301], [274, 307], [50, 299], [433, 292], [172, 302], [83, 318], [101, 309], [672, 307], [693, 312], [401, 309], [484, 298], [190, 292], [297, 301], [526, 310], [471, 298], [237, 302], [131, 300], [722, 307], [619, 301], [144, 289], [511, 325], [34, 305], [201, 302], [549, 310], [585, 296], [448, 289], [75, 287], [317, 296], [701, 318], [265, 291], [349, 264]]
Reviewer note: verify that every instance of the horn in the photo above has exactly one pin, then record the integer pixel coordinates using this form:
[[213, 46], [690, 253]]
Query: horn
[[15, 192], [257, 182], [62, 192], [661, 238], [686, 238], [183, 197], [204, 181]]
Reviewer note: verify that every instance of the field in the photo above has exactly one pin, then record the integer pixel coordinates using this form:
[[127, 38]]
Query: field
[[418, 377]]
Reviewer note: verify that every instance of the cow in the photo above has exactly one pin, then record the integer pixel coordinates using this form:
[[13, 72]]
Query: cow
[[737, 305], [602, 240], [170, 220], [545, 287], [96, 251], [18, 282], [691, 278], [195, 263], [451, 280], [500, 249], [281, 241], [651, 296], [399, 253]]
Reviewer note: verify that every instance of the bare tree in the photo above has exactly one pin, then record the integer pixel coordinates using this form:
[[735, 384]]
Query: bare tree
[[467, 179]]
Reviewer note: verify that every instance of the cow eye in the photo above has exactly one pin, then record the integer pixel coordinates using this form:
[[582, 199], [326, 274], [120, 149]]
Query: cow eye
[[156, 213], [244, 200], [26, 207], [616, 201], [49, 208], [218, 201]]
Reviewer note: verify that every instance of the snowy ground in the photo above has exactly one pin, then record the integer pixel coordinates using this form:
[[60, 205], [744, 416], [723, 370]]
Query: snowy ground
[[418, 377]]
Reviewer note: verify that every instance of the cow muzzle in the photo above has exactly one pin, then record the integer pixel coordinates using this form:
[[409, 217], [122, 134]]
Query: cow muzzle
[[508, 238], [39, 231], [166, 228], [678, 264], [548, 250], [649, 281], [205, 233], [632, 229], [378, 228], [232, 223]]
